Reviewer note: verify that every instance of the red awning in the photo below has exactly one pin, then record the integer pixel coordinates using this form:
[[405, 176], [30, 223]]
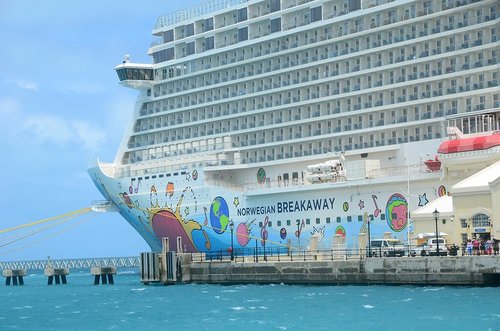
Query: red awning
[[469, 144]]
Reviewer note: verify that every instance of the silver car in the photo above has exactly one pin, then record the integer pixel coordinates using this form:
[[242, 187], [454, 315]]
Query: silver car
[[430, 248]]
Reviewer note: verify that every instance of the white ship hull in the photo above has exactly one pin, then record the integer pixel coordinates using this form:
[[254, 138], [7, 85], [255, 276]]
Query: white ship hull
[[269, 214]]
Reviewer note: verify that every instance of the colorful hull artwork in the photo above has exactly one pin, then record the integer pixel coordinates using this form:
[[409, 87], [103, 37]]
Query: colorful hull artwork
[[180, 205]]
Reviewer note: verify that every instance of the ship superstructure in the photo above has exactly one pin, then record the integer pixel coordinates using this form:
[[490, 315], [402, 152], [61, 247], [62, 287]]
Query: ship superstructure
[[242, 96]]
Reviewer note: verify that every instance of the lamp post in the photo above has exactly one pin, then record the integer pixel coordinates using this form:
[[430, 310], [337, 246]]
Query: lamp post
[[408, 210], [369, 238], [298, 232], [435, 213], [231, 226]]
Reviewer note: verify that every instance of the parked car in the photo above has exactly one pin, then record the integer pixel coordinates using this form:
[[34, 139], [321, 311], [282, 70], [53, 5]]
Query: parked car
[[420, 250], [387, 247], [429, 248]]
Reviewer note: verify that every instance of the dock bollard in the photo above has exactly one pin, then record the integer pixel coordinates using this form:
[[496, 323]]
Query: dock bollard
[[59, 274], [15, 274], [103, 273]]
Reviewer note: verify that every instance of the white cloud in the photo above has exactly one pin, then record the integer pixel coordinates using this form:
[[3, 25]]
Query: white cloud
[[30, 86], [9, 108], [48, 129], [17, 126], [56, 130], [10, 115], [93, 138]]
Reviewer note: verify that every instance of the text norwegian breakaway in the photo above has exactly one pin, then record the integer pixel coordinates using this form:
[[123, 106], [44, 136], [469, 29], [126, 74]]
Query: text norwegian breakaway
[[288, 207]]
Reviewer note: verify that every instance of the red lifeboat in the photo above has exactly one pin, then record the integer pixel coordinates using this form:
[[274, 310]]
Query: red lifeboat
[[470, 144]]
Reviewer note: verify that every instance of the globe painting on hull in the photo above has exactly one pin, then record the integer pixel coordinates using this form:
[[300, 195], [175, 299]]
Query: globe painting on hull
[[396, 210], [219, 215]]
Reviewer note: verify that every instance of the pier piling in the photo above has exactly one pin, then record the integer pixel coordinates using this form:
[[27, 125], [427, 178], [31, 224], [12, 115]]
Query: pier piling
[[57, 274], [16, 275], [103, 274]]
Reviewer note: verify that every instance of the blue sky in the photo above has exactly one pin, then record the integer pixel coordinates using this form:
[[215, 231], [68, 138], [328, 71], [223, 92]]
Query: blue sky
[[60, 106]]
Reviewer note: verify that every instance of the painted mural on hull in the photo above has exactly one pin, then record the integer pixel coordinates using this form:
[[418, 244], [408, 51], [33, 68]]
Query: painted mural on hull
[[182, 206]]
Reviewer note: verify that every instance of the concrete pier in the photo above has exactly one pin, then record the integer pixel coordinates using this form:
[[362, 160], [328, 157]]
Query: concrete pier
[[452, 270], [16, 275], [317, 267], [59, 274], [105, 274]]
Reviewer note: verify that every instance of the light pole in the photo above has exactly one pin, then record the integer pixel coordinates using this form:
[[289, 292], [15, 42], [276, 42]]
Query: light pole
[[369, 238], [408, 210], [435, 213], [231, 226], [298, 232]]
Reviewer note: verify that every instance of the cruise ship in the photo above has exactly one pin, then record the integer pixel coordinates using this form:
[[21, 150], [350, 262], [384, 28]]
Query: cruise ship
[[303, 124]]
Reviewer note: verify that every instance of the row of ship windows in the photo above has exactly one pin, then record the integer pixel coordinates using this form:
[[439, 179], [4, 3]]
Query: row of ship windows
[[262, 8], [263, 134], [320, 146], [290, 21], [241, 88], [182, 121], [241, 33], [318, 220], [264, 155], [361, 100], [389, 36], [222, 20], [405, 52], [266, 137], [364, 99], [182, 173], [273, 155]]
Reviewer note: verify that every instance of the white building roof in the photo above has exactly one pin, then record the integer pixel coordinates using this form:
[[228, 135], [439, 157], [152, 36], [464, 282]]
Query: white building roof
[[478, 182], [444, 206]]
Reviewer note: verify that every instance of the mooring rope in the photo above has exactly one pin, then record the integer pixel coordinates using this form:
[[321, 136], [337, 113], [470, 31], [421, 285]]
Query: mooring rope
[[54, 234], [79, 211], [20, 237]]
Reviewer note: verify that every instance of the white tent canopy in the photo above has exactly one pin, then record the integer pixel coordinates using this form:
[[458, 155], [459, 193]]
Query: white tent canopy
[[429, 235], [444, 205]]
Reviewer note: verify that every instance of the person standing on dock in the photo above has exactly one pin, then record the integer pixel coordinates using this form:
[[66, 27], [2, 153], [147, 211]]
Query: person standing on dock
[[469, 247], [495, 245], [475, 247]]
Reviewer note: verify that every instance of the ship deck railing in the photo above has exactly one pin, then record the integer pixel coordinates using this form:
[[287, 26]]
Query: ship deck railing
[[416, 171]]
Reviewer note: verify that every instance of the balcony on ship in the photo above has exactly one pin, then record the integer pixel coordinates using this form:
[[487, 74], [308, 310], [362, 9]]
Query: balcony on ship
[[135, 75]]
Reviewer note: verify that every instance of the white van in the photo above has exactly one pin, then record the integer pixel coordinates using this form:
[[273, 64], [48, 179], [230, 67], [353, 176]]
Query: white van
[[387, 247]]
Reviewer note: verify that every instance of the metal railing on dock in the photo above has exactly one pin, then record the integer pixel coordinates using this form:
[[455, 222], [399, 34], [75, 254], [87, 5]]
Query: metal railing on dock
[[276, 254], [262, 254]]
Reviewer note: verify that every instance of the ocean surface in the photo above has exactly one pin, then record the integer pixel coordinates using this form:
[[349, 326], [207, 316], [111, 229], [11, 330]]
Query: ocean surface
[[130, 305]]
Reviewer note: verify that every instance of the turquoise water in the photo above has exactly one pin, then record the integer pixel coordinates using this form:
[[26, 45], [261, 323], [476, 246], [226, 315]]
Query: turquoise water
[[129, 305]]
